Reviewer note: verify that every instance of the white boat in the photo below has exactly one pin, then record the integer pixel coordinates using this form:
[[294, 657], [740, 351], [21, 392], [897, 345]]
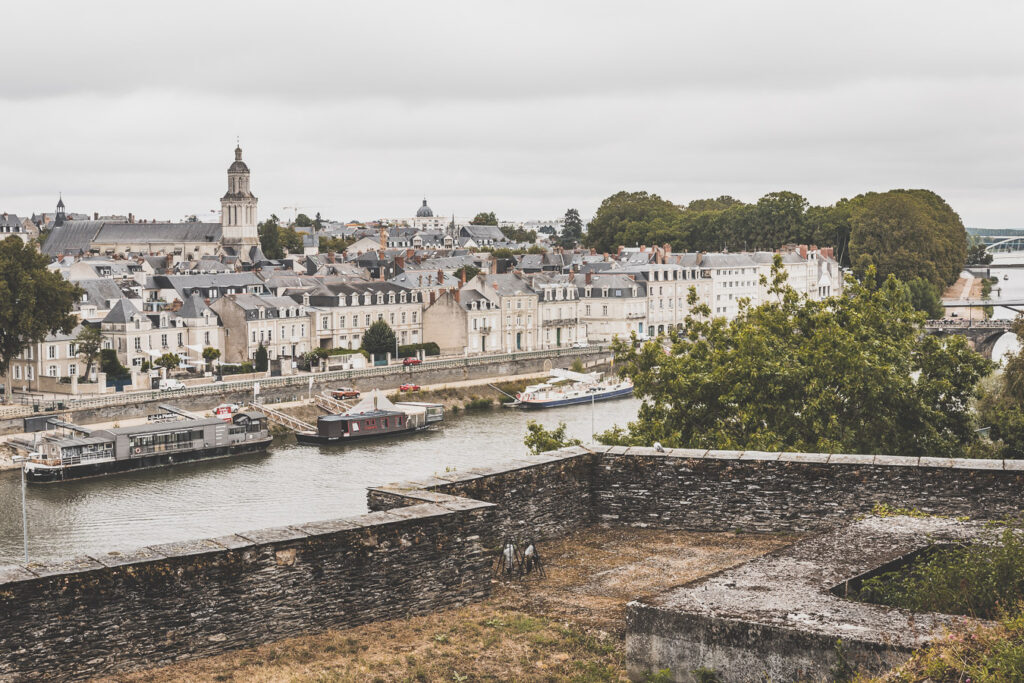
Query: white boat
[[566, 388]]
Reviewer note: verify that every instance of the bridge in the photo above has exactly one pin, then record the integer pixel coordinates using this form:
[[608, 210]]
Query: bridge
[[1006, 250], [982, 335]]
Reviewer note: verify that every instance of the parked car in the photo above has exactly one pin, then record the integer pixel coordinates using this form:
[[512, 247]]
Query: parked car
[[171, 385], [411, 361], [344, 392], [409, 387], [580, 345]]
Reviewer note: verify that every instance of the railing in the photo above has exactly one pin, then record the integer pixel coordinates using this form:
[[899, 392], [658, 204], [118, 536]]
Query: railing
[[330, 404], [967, 324], [302, 380], [284, 419]]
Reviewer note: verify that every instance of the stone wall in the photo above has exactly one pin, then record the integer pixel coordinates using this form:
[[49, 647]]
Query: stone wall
[[101, 614], [537, 496], [754, 491], [426, 547]]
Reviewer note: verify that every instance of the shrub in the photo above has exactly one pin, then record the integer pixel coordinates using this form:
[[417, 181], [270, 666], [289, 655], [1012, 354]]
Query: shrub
[[112, 366], [409, 350]]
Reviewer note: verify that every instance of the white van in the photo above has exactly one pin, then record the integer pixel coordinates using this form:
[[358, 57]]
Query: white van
[[171, 385]]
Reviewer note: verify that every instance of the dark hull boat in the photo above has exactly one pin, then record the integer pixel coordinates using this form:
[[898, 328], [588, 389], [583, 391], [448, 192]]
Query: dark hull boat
[[373, 417]]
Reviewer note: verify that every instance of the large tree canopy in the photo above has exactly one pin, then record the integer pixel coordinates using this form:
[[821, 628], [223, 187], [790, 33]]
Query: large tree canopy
[[908, 233], [849, 374], [34, 301], [379, 338]]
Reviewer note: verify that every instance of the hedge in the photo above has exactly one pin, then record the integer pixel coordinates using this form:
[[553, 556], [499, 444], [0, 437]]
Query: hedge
[[429, 348]]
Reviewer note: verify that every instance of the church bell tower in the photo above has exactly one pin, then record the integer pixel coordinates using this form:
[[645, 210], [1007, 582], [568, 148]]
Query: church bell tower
[[238, 211]]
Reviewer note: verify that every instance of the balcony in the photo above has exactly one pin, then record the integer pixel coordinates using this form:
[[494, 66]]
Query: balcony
[[560, 322]]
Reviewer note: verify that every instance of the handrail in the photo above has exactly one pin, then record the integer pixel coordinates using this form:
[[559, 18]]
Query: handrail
[[329, 376]]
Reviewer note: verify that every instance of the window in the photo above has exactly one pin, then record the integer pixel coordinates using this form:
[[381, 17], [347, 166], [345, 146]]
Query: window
[[206, 337], [72, 351], [138, 343], [604, 310], [51, 351], [163, 341], [179, 339], [326, 323], [367, 319], [52, 371], [254, 336], [403, 316], [342, 319], [414, 316], [586, 310], [17, 372], [392, 318], [72, 370], [137, 361]]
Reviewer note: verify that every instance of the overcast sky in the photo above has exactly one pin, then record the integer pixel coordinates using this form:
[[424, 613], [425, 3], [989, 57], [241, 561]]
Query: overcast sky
[[524, 108]]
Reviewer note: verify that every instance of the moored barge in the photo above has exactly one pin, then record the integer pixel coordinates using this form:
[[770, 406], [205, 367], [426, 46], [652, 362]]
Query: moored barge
[[374, 416], [567, 388], [165, 442]]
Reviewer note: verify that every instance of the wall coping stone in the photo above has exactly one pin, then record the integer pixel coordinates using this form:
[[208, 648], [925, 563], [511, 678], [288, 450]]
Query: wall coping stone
[[14, 574], [197, 546], [897, 461], [1014, 465], [805, 458], [232, 541], [848, 459], [274, 534], [328, 526], [977, 464], [74, 565], [928, 461], [761, 455], [120, 559], [721, 455]]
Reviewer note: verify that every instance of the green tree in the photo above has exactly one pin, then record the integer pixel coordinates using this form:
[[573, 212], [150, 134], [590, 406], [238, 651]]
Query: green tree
[[572, 230], [260, 360], [210, 354], [379, 338], [168, 361], [333, 245], [270, 238], [631, 218], [907, 233], [519, 234], [1002, 402], [977, 252], [88, 342], [540, 440], [484, 219], [547, 230], [318, 223], [303, 221], [34, 302], [111, 366], [850, 374], [290, 239], [925, 297], [469, 272]]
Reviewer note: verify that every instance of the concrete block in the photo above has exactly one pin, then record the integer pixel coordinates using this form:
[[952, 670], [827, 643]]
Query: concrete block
[[850, 459], [896, 461], [760, 455], [804, 458]]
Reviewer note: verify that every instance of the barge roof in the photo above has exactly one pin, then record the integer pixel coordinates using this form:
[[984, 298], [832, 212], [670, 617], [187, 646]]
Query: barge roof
[[165, 426]]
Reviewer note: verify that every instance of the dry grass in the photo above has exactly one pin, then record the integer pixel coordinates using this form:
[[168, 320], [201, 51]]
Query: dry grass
[[567, 626]]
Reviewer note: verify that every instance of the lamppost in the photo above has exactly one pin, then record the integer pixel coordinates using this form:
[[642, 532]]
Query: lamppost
[[24, 511]]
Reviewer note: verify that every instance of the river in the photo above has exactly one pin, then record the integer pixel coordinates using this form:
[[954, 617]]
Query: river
[[1010, 288], [290, 484]]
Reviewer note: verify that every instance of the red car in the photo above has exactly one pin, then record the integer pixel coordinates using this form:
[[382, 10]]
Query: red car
[[411, 361], [409, 387]]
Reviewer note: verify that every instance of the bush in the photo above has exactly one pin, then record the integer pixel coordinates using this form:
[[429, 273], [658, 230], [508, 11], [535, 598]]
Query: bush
[[242, 369], [478, 403], [980, 580], [539, 440], [112, 366], [260, 362], [409, 350]]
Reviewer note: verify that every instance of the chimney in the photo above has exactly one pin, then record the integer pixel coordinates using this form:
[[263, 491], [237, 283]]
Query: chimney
[[176, 305], [643, 248], [206, 301], [400, 262], [620, 250], [440, 276], [606, 257], [95, 215], [589, 277], [495, 286], [803, 251], [432, 296], [420, 280], [455, 293], [463, 277], [494, 266], [593, 251], [668, 248], [131, 218], [409, 253]]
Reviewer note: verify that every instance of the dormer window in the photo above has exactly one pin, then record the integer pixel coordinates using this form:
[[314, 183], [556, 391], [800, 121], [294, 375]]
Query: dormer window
[[401, 297], [391, 298], [380, 298]]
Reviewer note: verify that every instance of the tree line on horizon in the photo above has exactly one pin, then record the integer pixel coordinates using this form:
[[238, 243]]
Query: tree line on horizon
[[907, 233]]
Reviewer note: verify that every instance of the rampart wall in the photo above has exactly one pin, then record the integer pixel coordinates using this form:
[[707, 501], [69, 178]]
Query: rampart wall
[[428, 545]]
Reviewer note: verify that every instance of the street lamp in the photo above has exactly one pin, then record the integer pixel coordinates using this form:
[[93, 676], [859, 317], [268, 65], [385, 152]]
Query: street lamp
[[24, 512]]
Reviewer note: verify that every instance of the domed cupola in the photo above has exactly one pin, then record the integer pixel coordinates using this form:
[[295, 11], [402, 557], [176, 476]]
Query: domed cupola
[[424, 211]]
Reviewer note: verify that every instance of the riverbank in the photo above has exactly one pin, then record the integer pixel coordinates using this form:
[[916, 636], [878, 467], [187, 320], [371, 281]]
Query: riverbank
[[566, 626]]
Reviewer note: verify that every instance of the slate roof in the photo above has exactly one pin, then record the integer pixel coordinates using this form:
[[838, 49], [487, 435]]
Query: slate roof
[[98, 291], [121, 313], [194, 307], [126, 233], [74, 237]]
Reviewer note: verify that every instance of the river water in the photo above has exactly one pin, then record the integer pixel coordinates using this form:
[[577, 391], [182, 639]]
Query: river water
[[290, 484], [1010, 288]]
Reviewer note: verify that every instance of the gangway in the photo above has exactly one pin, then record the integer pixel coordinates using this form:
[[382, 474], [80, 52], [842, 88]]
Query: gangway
[[331, 404], [283, 419]]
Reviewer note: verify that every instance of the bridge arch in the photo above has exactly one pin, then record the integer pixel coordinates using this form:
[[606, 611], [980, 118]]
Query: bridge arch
[[1008, 245]]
